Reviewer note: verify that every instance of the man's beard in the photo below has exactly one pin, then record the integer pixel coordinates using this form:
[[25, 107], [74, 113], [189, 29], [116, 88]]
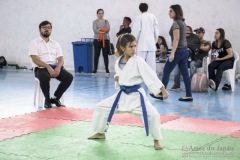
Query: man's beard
[[45, 34]]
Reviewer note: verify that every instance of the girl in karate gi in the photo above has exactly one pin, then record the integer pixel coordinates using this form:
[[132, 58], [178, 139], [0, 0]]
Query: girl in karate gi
[[131, 71]]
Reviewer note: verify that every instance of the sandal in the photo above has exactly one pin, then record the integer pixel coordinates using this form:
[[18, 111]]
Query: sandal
[[152, 95], [186, 99]]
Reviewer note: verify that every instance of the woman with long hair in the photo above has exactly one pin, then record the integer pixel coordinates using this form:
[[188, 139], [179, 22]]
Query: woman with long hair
[[162, 49], [179, 53], [222, 59]]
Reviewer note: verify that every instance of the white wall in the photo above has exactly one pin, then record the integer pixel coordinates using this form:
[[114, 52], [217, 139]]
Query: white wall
[[72, 20]]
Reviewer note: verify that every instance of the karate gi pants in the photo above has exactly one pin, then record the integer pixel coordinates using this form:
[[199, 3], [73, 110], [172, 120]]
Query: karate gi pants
[[101, 113]]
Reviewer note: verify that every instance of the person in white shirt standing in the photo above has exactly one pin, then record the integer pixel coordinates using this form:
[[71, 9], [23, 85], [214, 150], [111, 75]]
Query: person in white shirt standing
[[47, 56], [146, 31]]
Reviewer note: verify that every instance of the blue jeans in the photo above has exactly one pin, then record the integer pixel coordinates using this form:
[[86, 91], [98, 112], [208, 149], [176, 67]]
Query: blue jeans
[[180, 59], [193, 67], [177, 75]]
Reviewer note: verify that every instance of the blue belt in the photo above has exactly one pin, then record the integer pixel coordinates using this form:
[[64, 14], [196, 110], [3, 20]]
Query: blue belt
[[127, 90], [53, 66]]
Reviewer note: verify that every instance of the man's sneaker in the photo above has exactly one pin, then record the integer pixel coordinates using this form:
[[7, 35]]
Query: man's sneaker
[[47, 103], [94, 73], [175, 87], [56, 102], [226, 87]]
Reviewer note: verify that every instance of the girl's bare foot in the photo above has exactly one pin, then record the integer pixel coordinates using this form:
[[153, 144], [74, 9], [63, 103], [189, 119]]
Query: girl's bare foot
[[97, 136], [157, 145]]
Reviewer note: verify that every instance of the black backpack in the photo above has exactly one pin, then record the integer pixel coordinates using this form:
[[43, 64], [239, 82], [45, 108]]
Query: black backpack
[[193, 45], [3, 61]]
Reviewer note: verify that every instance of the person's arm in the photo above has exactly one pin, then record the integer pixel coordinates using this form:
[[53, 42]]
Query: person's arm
[[107, 25], [151, 79], [176, 36], [105, 29], [95, 29], [164, 51], [116, 76], [40, 63], [59, 65], [119, 33], [164, 92], [129, 30], [121, 27], [136, 29], [206, 48], [228, 56], [33, 53], [158, 52], [156, 29], [60, 60]]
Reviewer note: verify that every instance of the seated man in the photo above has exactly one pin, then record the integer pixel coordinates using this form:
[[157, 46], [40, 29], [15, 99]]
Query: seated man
[[47, 55], [201, 53]]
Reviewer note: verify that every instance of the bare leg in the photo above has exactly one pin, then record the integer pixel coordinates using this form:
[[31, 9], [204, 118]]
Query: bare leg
[[157, 145], [97, 136]]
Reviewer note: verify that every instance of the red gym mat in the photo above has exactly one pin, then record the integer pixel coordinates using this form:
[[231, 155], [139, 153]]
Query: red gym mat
[[41, 120], [218, 127], [236, 134], [82, 114], [73, 114]]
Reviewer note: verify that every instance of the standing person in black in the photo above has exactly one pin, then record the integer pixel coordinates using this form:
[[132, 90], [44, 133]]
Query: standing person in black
[[125, 28], [101, 28], [222, 58]]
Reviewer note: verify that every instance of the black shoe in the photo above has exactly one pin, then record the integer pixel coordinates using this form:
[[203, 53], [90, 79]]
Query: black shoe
[[107, 73], [47, 103], [56, 102], [226, 87], [186, 99], [152, 95]]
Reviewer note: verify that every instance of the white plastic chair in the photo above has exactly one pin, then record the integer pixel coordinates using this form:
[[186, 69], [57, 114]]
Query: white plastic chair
[[230, 73], [39, 99]]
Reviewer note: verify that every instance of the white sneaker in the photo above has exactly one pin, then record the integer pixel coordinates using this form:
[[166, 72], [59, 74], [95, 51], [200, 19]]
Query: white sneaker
[[94, 73], [212, 84]]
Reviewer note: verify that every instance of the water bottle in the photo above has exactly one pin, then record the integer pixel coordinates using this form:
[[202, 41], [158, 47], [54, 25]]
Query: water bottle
[[214, 55]]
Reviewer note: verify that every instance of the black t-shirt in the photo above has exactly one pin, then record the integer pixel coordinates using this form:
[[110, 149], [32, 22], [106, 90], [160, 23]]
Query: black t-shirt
[[222, 51], [124, 30]]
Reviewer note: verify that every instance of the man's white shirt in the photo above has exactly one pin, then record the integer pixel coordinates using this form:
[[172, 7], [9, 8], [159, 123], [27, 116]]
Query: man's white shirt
[[47, 52]]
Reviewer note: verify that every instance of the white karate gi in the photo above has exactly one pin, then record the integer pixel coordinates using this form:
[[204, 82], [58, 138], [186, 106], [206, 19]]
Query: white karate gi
[[134, 72], [146, 31]]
